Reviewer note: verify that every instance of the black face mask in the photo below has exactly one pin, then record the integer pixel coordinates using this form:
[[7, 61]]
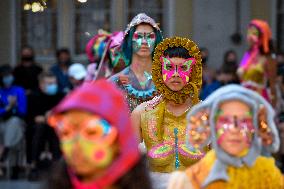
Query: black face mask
[[204, 59], [66, 63], [231, 62], [28, 58]]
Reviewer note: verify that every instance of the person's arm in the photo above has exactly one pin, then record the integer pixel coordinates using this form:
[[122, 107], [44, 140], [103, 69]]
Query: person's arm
[[5, 110], [272, 75], [7, 105], [136, 119], [21, 102]]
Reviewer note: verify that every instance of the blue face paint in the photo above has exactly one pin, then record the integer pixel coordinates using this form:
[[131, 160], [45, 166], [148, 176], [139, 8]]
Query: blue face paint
[[139, 38]]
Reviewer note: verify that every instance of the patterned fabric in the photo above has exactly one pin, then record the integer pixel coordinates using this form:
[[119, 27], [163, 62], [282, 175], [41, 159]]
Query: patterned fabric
[[164, 137], [103, 99], [134, 93]]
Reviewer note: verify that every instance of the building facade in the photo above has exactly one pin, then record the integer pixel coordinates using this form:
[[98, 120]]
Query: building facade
[[69, 23]]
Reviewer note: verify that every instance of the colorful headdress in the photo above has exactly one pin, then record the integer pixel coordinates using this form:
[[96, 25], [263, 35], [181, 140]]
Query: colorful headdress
[[96, 46], [205, 113], [128, 34], [141, 18], [195, 81], [265, 33], [103, 99]]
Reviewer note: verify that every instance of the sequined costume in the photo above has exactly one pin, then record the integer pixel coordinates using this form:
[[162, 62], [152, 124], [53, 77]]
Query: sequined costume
[[162, 131], [136, 92], [221, 170], [164, 136]]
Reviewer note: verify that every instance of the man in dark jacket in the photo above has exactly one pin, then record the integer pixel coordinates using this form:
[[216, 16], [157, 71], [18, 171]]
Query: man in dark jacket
[[44, 144]]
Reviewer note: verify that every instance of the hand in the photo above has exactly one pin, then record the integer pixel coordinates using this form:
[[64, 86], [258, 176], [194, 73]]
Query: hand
[[12, 100], [40, 119], [123, 79]]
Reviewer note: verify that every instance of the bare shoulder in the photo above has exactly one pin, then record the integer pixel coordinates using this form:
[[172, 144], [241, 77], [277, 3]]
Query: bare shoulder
[[179, 180]]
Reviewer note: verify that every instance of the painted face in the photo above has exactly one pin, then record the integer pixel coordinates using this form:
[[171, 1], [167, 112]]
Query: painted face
[[253, 35], [86, 141], [234, 127], [142, 37], [183, 70]]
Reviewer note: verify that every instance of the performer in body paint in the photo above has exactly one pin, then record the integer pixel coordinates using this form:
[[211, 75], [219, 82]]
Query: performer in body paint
[[99, 149], [258, 69], [241, 123], [140, 39], [161, 121]]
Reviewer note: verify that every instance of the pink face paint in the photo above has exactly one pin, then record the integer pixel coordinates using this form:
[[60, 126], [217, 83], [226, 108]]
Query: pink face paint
[[94, 138], [183, 70], [224, 124]]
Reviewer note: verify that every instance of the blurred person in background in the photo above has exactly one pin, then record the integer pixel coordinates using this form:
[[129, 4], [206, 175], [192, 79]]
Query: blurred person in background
[[141, 37], [257, 70], [227, 74], [77, 73], [42, 142], [208, 74], [209, 83], [104, 55], [26, 73], [13, 108], [99, 149], [60, 70]]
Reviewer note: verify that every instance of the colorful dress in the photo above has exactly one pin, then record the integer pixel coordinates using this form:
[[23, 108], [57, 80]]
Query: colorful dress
[[164, 137], [253, 75]]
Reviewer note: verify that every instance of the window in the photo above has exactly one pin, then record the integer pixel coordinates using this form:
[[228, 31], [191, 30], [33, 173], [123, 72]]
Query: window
[[39, 29], [89, 18], [153, 8]]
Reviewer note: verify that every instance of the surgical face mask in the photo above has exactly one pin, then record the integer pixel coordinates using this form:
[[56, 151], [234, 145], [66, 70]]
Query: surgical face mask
[[28, 58], [51, 89], [8, 80]]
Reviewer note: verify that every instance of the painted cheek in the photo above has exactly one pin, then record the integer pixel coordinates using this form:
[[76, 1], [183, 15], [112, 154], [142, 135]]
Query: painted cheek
[[99, 155], [67, 149], [151, 44], [184, 76], [167, 74], [220, 135], [136, 44]]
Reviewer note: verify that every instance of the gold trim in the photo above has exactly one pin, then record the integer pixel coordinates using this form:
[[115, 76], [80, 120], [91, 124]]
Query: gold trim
[[192, 88]]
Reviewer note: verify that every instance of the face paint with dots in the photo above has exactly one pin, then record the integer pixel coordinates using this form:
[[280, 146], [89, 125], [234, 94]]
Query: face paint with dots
[[94, 140]]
